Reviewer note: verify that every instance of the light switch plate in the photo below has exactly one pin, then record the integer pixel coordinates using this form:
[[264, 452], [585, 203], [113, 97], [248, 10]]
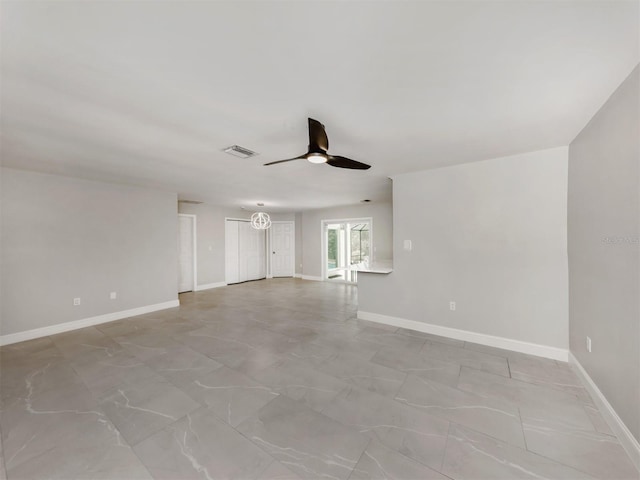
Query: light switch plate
[[408, 246]]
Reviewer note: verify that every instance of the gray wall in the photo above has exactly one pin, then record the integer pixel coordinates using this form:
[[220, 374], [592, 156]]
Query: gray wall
[[64, 238], [381, 214], [489, 235], [210, 237], [604, 254]]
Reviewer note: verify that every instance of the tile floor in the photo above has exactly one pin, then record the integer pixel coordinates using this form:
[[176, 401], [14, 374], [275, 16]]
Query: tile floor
[[277, 379]]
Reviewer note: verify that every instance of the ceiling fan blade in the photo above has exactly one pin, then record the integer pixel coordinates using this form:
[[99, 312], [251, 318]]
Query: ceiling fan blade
[[318, 139], [344, 162], [287, 160]]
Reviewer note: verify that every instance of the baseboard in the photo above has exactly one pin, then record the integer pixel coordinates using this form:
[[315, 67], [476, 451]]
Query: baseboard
[[297, 275], [545, 351], [626, 438], [85, 322], [311, 277], [207, 286]]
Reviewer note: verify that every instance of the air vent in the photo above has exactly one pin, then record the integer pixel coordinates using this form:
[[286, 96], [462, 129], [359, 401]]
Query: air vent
[[238, 151], [193, 202]]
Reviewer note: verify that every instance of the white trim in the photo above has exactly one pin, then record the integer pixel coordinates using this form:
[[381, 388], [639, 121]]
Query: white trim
[[85, 322], [538, 350], [297, 275], [626, 438], [207, 286], [195, 249], [311, 277], [269, 276]]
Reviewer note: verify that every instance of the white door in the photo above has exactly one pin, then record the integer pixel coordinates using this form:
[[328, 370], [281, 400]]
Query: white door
[[186, 253], [244, 252], [254, 253], [283, 251], [231, 249]]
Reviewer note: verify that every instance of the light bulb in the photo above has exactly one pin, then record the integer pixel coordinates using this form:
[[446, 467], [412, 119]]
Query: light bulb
[[317, 158]]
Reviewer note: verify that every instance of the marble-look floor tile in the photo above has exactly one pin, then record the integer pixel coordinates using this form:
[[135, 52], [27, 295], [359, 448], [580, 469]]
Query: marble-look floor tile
[[391, 339], [471, 455], [147, 344], [123, 368], [598, 420], [407, 430], [364, 374], [597, 454], [313, 354], [301, 382], [3, 471], [65, 435], [468, 358], [420, 365], [86, 345], [181, 365], [201, 446], [277, 471], [497, 419], [230, 395], [142, 409], [543, 371], [379, 462], [433, 338], [515, 391], [310, 444], [228, 351]]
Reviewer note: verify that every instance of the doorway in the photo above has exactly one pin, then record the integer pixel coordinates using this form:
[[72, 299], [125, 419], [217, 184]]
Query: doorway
[[187, 271], [346, 246], [283, 248]]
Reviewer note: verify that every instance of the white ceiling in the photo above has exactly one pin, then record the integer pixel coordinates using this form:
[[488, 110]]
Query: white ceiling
[[149, 93]]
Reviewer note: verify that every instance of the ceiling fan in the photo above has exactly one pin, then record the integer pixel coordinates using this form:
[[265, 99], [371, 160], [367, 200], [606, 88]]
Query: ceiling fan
[[318, 146]]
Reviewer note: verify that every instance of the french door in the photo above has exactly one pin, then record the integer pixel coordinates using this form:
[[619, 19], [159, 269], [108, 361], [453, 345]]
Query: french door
[[346, 247]]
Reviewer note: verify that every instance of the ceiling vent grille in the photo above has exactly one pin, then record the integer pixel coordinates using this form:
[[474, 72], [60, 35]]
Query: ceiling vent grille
[[238, 151], [193, 202]]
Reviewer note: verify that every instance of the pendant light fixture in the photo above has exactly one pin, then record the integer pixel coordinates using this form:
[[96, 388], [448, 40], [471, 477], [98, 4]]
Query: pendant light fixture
[[260, 220]]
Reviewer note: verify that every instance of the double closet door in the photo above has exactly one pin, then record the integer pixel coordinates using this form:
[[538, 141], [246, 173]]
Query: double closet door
[[245, 252]]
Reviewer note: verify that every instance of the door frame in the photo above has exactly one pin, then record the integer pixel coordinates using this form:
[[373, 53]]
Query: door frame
[[270, 245], [323, 242], [194, 231]]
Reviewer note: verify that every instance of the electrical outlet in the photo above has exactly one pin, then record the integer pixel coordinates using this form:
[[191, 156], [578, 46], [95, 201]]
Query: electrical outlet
[[589, 344], [113, 295], [452, 305], [76, 302]]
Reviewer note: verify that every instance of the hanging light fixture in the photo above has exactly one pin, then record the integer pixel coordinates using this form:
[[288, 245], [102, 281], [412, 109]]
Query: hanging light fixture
[[260, 220]]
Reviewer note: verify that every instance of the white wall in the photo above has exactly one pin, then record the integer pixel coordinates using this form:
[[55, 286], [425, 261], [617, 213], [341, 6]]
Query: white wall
[[63, 238], [489, 235], [210, 239], [604, 250], [381, 214]]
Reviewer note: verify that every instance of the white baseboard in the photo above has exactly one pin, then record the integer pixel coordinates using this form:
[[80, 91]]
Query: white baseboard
[[85, 322], [311, 277], [297, 275], [626, 438], [554, 353], [207, 286]]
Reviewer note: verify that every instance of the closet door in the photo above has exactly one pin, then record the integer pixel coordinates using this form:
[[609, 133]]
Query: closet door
[[244, 244], [255, 254], [244, 252], [232, 235]]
